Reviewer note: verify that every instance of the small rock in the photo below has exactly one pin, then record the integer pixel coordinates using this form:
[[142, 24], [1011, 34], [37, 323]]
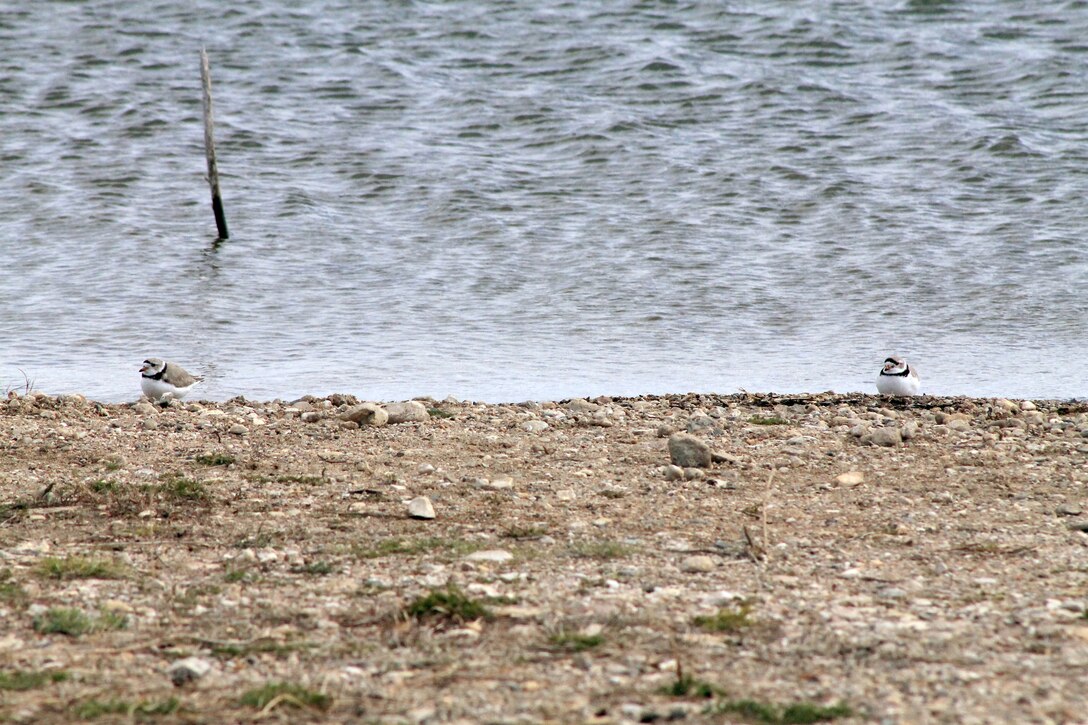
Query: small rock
[[188, 670], [673, 473], [1027, 405], [719, 457], [425, 468], [268, 556], [149, 424], [687, 451], [1069, 509], [887, 437], [143, 409], [959, 424], [534, 426], [421, 508], [566, 494], [850, 478], [500, 484], [492, 555], [698, 564], [665, 430], [700, 422], [909, 430], [581, 405], [365, 414], [693, 474], [310, 416], [411, 411], [238, 429], [859, 430]]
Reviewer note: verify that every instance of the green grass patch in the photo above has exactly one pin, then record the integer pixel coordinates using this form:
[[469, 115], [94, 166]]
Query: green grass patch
[[75, 623], [10, 590], [214, 459], [183, 488], [80, 567], [439, 413], [685, 685], [261, 646], [241, 574], [20, 680], [309, 480], [414, 547], [768, 420], [800, 713], [727, 619], [601, 550], [104, 486], [286, 694], [113, 465], [522, 533], [93, 709], [447, 604], [318, 568]]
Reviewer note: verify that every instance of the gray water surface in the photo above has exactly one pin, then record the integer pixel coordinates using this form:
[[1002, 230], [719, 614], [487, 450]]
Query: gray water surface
[[508, 201]]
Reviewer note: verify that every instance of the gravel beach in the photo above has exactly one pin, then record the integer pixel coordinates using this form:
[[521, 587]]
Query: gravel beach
[[692, 558]]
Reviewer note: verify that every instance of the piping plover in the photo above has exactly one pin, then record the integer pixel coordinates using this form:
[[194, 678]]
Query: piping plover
[[163, 380], [897, 378]]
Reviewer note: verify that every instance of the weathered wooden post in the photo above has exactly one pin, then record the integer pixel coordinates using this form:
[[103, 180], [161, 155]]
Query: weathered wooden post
[[209, 147]]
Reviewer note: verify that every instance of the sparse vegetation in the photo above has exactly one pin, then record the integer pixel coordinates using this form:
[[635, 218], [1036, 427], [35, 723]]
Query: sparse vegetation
[[727, 619], [311, 480], [80, 567], [259, 646], [274, 694], [767, 420], [686, 685], [104, 486], [413, 547], [214, 459], [801, 713], [240, 574], [317, 568], [75, 623], [521, 533], [23, 680], [439, 413], [447, 604], [10, 591], [601, 550], [575, 641], [92, 709], [181, 487]]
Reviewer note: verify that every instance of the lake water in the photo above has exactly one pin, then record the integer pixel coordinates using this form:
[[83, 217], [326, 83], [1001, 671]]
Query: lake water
[[506, 201]]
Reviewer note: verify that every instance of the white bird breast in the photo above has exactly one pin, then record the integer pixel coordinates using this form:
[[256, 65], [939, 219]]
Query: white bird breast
[[897, 384], [157, 389]]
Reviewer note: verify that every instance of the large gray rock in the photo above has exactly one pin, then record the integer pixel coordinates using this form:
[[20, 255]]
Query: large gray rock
[[421, 508], [687, 451], [887, 437], [366, 414], [411, 411]]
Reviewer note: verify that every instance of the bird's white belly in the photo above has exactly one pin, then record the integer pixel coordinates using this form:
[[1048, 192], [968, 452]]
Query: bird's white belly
[[157, 389], [897, 384]]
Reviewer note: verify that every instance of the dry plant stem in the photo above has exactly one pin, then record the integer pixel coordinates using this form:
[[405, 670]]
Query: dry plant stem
[[209, 147]]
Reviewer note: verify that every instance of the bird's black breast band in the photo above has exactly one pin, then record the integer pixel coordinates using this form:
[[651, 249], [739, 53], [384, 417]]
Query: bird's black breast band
[[158, 375]]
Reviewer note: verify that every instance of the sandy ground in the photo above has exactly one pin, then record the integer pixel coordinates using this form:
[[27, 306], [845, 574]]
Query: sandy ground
[[856, 558]]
